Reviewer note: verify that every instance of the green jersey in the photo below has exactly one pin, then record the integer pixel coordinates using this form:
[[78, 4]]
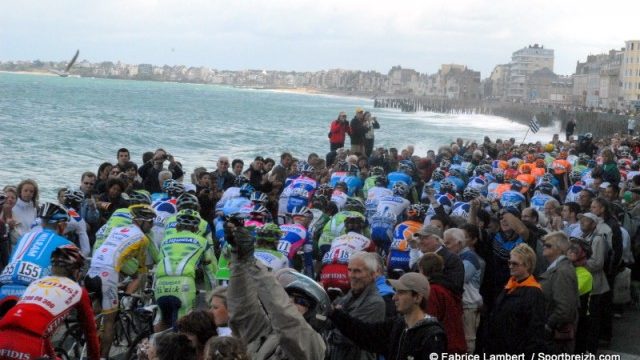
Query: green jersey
[[120, 217], [368, 184], [182, 252], [170, 223], [335, 227]]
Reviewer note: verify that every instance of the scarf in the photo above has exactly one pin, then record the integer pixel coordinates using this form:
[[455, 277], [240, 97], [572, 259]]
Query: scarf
[[513, 284]]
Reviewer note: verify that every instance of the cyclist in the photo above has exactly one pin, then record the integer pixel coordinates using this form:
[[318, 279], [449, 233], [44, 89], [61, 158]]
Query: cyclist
[[296, 237], [335, 261], [31, 258], [181, 253], [27, 328], [187, 201], [376, 193], [164, 208], [122, 216], [124, 251], [399, 250], [266, 251], [76, 226], [336, 227]]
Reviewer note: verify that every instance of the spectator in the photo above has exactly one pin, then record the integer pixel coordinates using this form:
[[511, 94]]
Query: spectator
[[171, 346], [358, 131], [150, 170], [236, 167], [560, 288], [219, 311], [225, 348], [224, 179], [517, 321], [199, 328], [337, 131], [579, 252], [24, 211]]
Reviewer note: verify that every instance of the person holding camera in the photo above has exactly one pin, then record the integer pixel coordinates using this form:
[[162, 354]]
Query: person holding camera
[[338, 130], [150, 170]]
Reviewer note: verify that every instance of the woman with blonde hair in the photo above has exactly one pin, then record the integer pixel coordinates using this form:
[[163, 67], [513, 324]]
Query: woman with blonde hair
[[24, 211], [516, 324]]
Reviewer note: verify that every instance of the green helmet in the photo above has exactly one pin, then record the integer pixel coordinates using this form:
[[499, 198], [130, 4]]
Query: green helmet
[[269, 233]]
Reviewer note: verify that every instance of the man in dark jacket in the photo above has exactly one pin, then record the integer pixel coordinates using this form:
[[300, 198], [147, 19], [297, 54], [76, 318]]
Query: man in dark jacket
[[221, 175], [150, 170], [358, 130], [362, 302], [414, 335], [560, 288]]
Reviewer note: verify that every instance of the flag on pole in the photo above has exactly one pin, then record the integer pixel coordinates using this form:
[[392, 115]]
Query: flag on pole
[[533, 125]]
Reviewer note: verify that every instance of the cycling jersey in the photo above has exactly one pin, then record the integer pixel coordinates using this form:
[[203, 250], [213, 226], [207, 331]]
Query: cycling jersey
[[30, 260], [301, 193], [230, 193], [78, 227], [346, 245], [27, 327], [573, 192], [539, 199], [122, 245], [204, 229], [120, 217], [461, 209], [445, 200], [339, 198], [373, 198], [480, 183], [335, 228], [458, 182], [164, 209], [399, 249], [273, 259], [295, 237], [382, 224], [396, 176], [369, 183], [395, 204], [181, 253], [511, 198]]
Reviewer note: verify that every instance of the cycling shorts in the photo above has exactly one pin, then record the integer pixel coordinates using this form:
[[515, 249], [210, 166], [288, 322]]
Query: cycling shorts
[[382, 236], [335, 276], [18, 345], [181, 287], [398, 259], [104, 283]]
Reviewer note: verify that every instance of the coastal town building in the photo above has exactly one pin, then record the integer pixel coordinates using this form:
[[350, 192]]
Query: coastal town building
[[524, 63], [630, 74], [596, 81]]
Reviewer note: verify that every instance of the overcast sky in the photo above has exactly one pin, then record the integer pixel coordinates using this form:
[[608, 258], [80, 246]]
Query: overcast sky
[[313, 35]]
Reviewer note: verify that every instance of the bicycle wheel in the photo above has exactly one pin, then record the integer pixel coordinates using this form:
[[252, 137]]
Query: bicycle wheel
[[132, 352], [71, 343]]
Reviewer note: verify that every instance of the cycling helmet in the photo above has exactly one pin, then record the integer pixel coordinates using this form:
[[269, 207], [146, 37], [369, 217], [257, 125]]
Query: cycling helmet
[[188, 218], [354, 220], [513, 163], [438, 175], [68, 257], [352, 169], [545, 188], [187, 201], [142, 212], [174, 188], [575, 176], [591, 164], [407, 166], [588, 136], [354, 204], [516, 186], [301, 211], [381, 181], [445, 164], [499, 177], [456, 159], [470, 193], [269, 233], [416, 211], [74, 196], [259, 209], [582, 245], [623, 163], [455, 172], [305, 168], [303, 287], [240, 180], [343, 185], [377, 171], [259, 197], [342, 165], [446, 186], [320, 201], [549, 148], [547, 178], [324, 189], [246, 190], [3, 197], [401, 188], [139, 197], [51, 213]]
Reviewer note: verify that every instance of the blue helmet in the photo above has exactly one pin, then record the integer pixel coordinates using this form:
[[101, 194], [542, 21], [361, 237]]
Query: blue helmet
[[246, 190]]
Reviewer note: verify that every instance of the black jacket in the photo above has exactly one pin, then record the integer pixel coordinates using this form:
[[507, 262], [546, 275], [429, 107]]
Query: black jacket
[[516, 324], [149, 175], [391, 337]]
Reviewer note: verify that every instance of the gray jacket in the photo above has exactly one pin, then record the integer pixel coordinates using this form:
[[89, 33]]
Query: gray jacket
[[560, 289], [595, 264], [262, 315], [369, 307]]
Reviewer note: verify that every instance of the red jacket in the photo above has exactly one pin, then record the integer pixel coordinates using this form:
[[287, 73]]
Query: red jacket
[[447, 307], [338, 131]]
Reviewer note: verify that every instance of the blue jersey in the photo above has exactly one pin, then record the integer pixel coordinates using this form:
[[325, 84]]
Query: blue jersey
[[461, 209], [539, 199], [396, 176], [302, 189], [399, 249], [382, 224], [459, 183], [512, 198], [30, 260], [573, 192]]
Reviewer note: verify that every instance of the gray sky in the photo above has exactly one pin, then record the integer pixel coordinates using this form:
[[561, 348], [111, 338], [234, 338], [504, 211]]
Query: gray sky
[[314, 35]]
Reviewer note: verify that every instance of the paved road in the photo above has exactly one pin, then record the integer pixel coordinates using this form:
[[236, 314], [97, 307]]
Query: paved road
[[626, 335]]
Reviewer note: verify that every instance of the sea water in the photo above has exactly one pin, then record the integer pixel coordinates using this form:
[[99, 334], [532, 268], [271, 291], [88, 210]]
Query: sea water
[[52, 129]]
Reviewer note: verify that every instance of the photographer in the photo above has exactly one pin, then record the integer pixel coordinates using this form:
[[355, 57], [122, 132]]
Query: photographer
[[150, 170], [130, 176], [208, 196], [338, 130]]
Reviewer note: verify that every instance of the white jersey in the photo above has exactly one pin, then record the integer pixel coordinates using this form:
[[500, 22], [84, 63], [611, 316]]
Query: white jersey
[[272, 259], [373, 198], [230, 193], [78, 226], [344, 246], [121, 244], [339, 198], [393, 203]]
